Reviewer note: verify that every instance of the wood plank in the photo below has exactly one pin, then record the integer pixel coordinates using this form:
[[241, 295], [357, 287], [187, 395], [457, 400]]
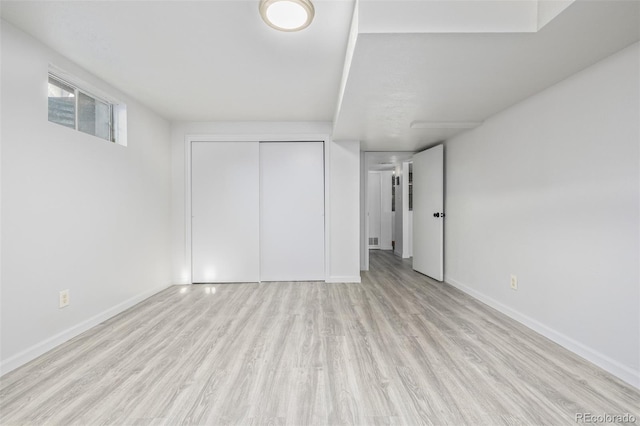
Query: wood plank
[[398, 348]]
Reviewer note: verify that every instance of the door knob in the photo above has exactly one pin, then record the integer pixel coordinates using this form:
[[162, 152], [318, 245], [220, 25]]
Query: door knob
[[436, 215]]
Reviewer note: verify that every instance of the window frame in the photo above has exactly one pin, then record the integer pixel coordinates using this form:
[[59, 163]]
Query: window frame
[[117, 110]]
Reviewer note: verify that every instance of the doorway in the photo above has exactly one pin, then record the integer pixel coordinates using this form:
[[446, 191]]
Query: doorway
[[386, 167], [381, 214]]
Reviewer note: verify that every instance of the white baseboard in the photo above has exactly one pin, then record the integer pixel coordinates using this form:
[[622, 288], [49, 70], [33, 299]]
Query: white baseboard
[[402, 255], [344, 279], [612, 366], [46, 345]]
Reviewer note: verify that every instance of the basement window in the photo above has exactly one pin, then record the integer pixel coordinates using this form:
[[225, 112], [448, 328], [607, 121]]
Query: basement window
[[78, 107]]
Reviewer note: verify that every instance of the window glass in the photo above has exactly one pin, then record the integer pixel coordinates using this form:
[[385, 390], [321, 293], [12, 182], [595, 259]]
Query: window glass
[[62, 103], [84, 108], [94, 116]]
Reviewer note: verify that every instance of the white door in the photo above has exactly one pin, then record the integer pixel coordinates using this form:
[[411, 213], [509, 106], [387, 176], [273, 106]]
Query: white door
[[374, 210], [292, 211], [428, 212], [225, 212]]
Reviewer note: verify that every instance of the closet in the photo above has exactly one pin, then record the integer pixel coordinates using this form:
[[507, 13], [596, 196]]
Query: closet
[[257, 211]]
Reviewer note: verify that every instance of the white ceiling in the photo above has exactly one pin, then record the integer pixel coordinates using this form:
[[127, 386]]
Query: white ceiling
[[386, 160], [215, 60], [208, 60], [397, 79]]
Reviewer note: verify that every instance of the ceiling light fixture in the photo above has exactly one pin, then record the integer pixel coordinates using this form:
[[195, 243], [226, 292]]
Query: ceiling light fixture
[[287, 15]]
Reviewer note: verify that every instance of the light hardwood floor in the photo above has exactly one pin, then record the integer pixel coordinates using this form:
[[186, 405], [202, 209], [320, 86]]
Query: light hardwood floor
[[396, 349]]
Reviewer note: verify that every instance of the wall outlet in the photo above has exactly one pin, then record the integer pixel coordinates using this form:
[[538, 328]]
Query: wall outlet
[[514, 282], [64, 299]]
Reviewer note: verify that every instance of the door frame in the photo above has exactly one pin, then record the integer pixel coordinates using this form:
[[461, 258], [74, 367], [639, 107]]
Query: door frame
[[302, 137], [365, 163]]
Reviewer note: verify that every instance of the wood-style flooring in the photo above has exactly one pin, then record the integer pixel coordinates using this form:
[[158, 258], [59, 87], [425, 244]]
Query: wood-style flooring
[[397, 349]]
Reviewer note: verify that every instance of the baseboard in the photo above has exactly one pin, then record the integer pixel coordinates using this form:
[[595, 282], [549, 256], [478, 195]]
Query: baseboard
[[386, 247], [401, 255], [344, 279], [612, 366], [46, 345]]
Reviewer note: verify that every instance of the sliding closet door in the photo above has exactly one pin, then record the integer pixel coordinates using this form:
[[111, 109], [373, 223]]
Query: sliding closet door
[[291, 211], [225, 211]]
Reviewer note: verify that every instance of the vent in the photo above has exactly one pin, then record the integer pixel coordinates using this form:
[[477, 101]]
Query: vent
[[373, 241]]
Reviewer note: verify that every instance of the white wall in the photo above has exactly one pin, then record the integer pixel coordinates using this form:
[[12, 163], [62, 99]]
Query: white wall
[[342, 185], [364, 199], [549, 190], [386, 218], [364, 211], [78, 212], [407, 216], [403, 219], [409, 242], [374, 204], [398, 219], [345, 212]]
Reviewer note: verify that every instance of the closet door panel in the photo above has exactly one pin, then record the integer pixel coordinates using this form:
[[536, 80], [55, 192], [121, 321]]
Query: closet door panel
[[225, 194], [292, 211]]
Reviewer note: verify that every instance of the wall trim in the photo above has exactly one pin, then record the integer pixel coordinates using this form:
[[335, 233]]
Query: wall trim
[[50, 343], [606, 363], [344, 279]]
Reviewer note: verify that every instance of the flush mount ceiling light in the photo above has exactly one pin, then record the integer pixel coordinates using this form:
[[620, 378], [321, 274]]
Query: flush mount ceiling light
[[287, 15]]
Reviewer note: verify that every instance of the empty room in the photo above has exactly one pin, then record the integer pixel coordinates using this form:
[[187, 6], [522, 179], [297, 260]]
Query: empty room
[[320, 212]]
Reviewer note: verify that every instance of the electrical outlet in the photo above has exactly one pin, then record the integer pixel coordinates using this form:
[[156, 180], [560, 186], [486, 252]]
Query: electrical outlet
[[64, 299], [514, 282]]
